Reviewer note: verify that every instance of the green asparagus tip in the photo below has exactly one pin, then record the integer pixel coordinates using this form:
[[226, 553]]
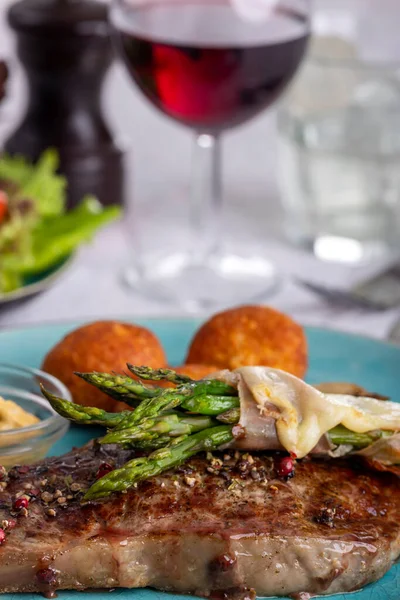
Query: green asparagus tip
[[149, 374], [82, 415]]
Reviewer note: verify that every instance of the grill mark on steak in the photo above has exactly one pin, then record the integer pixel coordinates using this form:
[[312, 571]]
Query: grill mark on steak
[[332, 528]]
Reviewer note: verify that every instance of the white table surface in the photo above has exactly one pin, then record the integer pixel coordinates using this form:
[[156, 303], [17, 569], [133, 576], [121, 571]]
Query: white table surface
[[158, 169]]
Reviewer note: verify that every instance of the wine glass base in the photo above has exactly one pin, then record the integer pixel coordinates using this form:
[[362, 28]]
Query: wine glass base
[[218, 282]]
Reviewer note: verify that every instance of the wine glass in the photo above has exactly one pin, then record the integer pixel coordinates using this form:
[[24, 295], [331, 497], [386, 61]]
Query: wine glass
[[210, 65]]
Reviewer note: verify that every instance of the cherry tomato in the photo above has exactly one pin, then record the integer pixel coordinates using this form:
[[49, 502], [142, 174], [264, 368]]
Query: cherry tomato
[[3, 205]]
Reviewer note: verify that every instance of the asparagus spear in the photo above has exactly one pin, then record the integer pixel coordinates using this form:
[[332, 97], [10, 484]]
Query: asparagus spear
[[121, 387], [150, 445], [153, 407], [149, 374], [83, 415], [169, 426], [230, 416], [214, 387], [160, 461], [210, 405], [340, 435]]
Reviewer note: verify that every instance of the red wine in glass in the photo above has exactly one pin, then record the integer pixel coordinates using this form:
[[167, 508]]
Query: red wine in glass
[[206, 66]]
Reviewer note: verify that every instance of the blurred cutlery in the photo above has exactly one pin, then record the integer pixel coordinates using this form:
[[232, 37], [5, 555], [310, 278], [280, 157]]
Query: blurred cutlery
[[380, 292]]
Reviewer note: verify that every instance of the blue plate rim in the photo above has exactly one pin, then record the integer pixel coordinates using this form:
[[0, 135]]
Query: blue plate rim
[[195, 319]]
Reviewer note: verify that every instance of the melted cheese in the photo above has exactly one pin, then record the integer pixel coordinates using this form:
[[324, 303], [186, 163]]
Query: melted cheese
[[303, 415]]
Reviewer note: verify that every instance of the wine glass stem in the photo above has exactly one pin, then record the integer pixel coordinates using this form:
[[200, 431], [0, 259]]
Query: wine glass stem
[[206, 202]]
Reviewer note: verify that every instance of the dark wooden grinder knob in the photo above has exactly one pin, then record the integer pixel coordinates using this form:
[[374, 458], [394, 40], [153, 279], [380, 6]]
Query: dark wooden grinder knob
[[66, 51]]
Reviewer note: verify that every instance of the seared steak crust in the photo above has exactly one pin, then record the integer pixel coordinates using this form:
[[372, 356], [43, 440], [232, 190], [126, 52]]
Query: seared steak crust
[[217, 523]]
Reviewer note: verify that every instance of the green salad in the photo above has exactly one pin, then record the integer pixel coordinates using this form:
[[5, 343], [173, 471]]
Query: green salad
[[36, 231]]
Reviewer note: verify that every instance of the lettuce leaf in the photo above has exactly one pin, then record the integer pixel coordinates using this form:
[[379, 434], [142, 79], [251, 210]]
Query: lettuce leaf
[[40, 182], [36, 238], [54, 239], [9, 281]]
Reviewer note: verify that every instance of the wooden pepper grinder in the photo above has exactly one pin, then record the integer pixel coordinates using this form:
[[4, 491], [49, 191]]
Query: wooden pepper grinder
[[3, 79], [65, 49]]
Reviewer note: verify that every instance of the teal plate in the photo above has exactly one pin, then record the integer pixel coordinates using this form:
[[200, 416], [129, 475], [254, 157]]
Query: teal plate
[[334, 357]]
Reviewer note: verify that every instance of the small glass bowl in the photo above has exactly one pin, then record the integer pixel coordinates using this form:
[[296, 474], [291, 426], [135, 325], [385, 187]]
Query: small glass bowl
[[30, 444]]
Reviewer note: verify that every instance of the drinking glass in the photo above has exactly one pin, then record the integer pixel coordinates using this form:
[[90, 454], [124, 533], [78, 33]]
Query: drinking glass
[[211, 65], [340, 144]]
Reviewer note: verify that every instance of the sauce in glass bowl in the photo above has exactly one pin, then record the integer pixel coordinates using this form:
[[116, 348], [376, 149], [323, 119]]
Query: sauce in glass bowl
[[28, 424], [12, 416]]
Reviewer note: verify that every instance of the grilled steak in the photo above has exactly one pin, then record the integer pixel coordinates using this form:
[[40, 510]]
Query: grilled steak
[[215, 524]]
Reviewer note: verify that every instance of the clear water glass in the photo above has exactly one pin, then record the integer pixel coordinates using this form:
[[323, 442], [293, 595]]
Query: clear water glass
[[339, 130]]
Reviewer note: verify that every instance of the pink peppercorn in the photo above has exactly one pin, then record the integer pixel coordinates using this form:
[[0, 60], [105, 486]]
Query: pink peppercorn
[[285, 467], [21, 503], [104, 469]]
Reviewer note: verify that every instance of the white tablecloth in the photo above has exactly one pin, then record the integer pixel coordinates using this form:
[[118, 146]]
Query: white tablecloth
[[92, 288]]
